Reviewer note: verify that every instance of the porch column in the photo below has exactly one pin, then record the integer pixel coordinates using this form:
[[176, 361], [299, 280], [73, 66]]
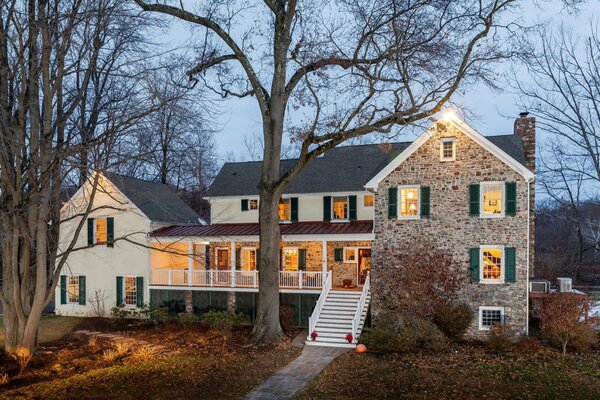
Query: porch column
[[324, 277], [190, 262], [232, 262]]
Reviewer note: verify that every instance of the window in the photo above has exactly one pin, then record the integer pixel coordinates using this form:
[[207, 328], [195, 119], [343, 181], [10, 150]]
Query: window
[[284, 210], [222, 258], [248, 260], [73, 289], [488, 316], [101, 230], [253, 204], [339, 207], [447, 149], [130, 291], [492, 199], [350, 254], [492, 264], [368, 200], [290, 259], [409, 202]]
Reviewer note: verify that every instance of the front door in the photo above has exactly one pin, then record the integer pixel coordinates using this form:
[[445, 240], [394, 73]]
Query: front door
[[364, 264]]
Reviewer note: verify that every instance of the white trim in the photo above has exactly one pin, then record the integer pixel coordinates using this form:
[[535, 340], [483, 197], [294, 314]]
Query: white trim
[[442, 142], [339, 237], [309, 194], [502, 199], [347, 261], [502, 265], [399, 194], [468, 131], [489, 308], [230, 289]]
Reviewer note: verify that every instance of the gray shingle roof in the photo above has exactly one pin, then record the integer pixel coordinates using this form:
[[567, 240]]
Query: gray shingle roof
[[156, 200], [342, 169]]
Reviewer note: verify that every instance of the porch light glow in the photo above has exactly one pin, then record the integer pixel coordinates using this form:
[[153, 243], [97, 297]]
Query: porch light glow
[[448, 115]]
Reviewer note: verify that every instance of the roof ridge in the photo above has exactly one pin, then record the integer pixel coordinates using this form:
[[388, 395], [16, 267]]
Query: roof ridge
[[136, 178]]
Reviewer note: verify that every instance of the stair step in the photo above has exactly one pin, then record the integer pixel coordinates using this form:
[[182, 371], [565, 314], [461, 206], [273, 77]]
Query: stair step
[[333, 330]]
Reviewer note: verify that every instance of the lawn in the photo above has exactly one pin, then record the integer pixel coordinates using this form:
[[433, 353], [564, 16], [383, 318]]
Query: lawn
[[51, 328], [193, 362], [466, 372]]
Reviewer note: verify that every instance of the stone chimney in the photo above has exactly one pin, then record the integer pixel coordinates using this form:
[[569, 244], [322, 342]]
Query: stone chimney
[[525, 127]]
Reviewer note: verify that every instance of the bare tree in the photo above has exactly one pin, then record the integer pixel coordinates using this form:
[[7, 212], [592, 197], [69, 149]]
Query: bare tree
[[353, 67]]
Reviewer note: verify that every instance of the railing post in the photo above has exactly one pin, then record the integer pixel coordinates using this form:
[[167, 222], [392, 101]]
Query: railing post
[[190, 262], [254, 278], [169, 277], [300, 279], [233, 264], [210, 277]]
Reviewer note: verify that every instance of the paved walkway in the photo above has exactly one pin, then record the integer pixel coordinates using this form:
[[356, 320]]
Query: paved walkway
[[297, 374]]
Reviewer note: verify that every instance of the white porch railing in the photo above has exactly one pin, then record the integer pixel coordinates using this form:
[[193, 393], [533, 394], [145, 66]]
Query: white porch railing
[[360, 307], [228, 278], [312, 320]]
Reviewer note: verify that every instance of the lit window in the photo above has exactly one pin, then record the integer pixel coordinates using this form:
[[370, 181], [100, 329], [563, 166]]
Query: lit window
[[73, 289], [340, 207], [492, 264], [222, 259], [290, 259], [283, 209], [130, 291], [101, 230], [350, 254], [409, 202], [368, 200], [488, 316], [248, 259], [447, 149], [492, 195], [253, 204]]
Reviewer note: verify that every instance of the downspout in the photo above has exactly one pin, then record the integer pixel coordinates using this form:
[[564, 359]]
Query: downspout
[[528, 251]]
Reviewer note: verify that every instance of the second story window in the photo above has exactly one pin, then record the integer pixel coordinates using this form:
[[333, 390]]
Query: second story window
[[368, 200], [253, 204], [284, 210], [447, 149], [492, 263], [101, 231], [492, 199], [339, 210], [409, 201]]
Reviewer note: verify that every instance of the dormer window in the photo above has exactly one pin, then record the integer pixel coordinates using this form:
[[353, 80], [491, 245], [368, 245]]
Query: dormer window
[[447, 149], [284, 210], [339, 207]]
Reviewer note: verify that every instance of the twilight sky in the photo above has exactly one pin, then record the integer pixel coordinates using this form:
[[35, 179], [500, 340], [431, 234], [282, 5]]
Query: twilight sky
[[492, 112]]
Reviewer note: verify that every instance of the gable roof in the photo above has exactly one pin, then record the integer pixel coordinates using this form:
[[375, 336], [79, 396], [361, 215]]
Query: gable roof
[[341, 169], [156, 200], [507, 149]]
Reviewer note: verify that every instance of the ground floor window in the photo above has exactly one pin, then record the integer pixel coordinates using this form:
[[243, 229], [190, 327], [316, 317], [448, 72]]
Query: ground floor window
[[289, 260], [350, 254], [248, 261], [130, 291], [488, 316], [73, 289], [492, 264], [222, 255]]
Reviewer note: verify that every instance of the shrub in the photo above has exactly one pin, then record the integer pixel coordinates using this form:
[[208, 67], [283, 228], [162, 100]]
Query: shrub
[[144, 353], [500, 338], [453, 320], [121, 348], [528, 345], [286, 318], [109, 355], [92, 341], [122, 313], [223, 320], [397, 334], [4, 379], [187, 319], [160, 315]]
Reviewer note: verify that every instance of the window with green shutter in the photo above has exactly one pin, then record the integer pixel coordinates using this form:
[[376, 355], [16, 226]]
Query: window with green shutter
[[119, 290], [474, 264], [511, 198], [425, 201], [392, 202], [110, 232], [326, 208], [302, 259], [238, 259], [244, 204], [352, 208], [63, 289], [510, 264], [82, 291], [140, 291], [294, 209], [474, 200], [338, 255], [90, 231]]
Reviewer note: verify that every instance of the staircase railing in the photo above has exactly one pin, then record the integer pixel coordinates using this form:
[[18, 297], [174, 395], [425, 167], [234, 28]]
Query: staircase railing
[[312, 320], [359, 307]]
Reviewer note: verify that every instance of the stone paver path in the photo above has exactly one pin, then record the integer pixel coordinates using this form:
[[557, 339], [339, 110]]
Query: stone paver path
[[297, 374]]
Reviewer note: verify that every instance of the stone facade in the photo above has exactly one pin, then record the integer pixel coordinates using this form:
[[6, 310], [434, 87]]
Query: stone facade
[[451, 228]]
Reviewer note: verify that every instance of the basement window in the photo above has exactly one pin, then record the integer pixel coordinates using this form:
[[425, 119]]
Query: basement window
[[489, 316]]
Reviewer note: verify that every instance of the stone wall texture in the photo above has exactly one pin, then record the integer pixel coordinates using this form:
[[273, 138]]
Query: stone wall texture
[[450, 227]]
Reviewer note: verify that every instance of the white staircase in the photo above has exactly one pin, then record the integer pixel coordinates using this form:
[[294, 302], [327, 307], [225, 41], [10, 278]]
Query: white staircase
[[338, 313]]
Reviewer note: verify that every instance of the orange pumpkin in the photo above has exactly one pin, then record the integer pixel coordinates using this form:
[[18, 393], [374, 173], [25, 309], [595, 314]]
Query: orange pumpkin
[[361, 348]]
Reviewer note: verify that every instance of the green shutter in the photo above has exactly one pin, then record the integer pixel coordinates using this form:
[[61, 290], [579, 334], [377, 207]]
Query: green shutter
[[63, 289], [281, 259], [257, 258], [352, 208], [238, 259], [294, 209], [82, 293], [510, 264], [511, 198], [110, 229], [326, 208], [90, 231], [474, 264], [392, 202], [119, 290], [425, 195], [302, 259], [339, 255], [244, 204], [474, 200], [139, 288]]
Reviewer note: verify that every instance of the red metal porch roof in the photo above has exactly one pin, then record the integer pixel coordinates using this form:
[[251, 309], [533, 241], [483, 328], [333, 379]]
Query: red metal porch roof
[[296, 228]]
